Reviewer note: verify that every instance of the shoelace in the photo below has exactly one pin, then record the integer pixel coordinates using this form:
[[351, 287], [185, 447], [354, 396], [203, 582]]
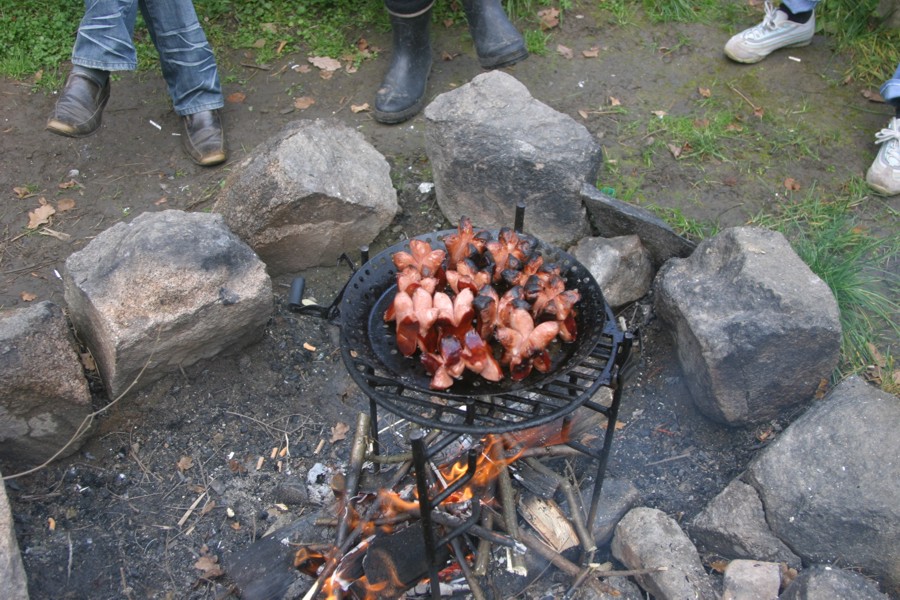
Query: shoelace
[[889, 133], [769, 21]]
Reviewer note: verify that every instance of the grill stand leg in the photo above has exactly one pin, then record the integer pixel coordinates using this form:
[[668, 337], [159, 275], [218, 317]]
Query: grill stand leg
[[417, 438]]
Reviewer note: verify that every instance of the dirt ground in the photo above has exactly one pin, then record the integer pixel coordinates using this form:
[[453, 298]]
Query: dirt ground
[[123, 527]]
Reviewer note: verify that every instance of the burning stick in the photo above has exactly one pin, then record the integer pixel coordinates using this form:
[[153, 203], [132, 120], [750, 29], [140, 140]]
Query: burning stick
[[357, 458], [515, 563]]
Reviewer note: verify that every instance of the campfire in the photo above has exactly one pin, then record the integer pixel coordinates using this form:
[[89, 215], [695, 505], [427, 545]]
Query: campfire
[[431, 526]]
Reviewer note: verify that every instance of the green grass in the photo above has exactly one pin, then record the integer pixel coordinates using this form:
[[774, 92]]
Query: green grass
[[827, 234]]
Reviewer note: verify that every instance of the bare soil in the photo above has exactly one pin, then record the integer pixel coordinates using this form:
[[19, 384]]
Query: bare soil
[[120, 506]]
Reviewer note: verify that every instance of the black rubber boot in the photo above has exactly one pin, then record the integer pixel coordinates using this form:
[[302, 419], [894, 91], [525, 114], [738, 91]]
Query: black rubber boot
[[402, 93], [497, 41]]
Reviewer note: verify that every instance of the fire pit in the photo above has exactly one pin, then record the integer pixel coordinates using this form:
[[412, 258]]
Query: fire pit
[[473, 406]]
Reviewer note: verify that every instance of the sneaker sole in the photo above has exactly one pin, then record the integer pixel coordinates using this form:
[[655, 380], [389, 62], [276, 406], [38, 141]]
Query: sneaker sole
[[756, 59]]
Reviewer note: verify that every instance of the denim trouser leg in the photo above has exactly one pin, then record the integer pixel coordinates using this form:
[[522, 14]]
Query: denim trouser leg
[[104, 39], [800, 5], [185, 55], [890, 91]]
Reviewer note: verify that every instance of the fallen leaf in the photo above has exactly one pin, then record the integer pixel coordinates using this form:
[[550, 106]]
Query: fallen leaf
[[22, 192], [719, 566], [184, 463], [208, 507], [40, 216], [260, 43], [339, 432], [758, 112], [613, 101], [594, 52], [302, 68], [362, 45], [675, 150], [236, 97], [65, 204], [448, 23], [822, 389], [325, 63], [280, 47], [358, 108], [734, 127], [701, 123], [876, 355], [705, 92], [564, 51], [872, 96], [326, 75], [27, 296], [51, 523], [583, 113], [87, 361], [791, 184], [269, 27], [659, 113], [162, 200], [549, 18], [350, 69], [448, 56], [68, 184], [303, 102], [730, 180], [236, 526], [209, 566]]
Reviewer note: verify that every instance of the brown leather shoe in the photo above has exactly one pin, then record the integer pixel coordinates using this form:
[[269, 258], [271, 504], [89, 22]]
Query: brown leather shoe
[[204, 138], [79, 108]]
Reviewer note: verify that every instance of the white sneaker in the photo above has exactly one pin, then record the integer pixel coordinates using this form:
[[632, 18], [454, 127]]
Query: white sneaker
[[754, 44], [884, 174]]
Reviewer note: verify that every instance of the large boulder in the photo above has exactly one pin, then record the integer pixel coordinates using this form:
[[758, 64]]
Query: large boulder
[[647, 538], [44, 397], [621, 266], [163, 292], [12, 571], [492, 145], [756, 330], [828, 583], [830, 483], [733, 525], [311, 193], [614, 218]]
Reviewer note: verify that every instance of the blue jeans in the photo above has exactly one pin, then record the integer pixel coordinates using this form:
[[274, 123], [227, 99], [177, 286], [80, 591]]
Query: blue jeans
[[104, 41]]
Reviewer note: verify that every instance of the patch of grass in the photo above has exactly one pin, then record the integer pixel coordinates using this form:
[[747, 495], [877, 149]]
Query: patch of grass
[[693, 137], [35, 36], [827, 235], [693, 229], [536, 41]]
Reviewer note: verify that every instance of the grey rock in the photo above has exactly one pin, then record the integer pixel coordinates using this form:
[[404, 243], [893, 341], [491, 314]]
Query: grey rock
[[44, 397], [621, 265], [647, 538], [163, 292], [309, 194], [830, 482], [612, 218], [756, 329], [492, 145], [12, 571], [751, 580], [829, 583], [617, 497], [733, 525], [291, 491]]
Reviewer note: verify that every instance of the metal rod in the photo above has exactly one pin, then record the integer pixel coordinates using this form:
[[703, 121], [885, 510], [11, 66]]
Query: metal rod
[[420, 465], [520, 216], [474, 587], [373, 434]]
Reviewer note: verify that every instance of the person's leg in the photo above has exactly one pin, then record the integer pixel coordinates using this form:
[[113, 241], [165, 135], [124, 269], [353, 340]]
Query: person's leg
[[402, 92], [191, 74], [884, 174], [791, 25], [103, 44], [186, 58], [497, 41]]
